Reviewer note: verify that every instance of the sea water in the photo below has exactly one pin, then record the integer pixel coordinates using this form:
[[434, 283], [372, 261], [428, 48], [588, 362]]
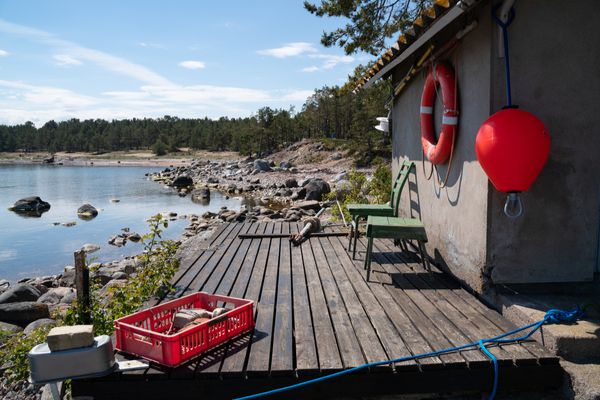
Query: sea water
[[39, 246]]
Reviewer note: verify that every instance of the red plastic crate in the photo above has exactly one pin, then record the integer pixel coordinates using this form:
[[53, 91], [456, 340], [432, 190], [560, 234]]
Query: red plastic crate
[[144, 333]]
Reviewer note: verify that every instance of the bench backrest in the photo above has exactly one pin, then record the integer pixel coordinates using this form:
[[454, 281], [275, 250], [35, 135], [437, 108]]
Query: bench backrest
[[399, 184]]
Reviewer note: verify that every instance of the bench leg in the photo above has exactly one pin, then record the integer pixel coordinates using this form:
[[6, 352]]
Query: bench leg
[[424, 258], [351, 235], [368, 257], [356, 220]]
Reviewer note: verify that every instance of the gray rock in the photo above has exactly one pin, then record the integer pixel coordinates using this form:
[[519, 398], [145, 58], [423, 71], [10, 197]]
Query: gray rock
[[305, 181], [32, 204], [308, 205], [55, 295], [101, 277], [5, 327], [38, 324], [291, 183], [209, 215], [23, 313], [87, 211], [285, 164], [262, 165], [69, 298], [4, 285], [336, 156], [182, 181], [202, 193], [316, 188], [117, 241], [90, 248], [343, 187], [69, 224], [212, 179], [120, 275], [134, 237], [20, 293], [68, 277], [341, 176]]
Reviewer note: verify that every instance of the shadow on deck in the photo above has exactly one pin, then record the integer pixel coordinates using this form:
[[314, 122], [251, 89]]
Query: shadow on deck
[[316, 314]]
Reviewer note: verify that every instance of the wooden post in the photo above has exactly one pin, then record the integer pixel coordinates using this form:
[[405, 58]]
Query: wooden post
[[82, 285]]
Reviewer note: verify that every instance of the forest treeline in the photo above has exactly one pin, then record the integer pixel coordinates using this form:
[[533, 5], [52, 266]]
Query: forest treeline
[[332, 111]]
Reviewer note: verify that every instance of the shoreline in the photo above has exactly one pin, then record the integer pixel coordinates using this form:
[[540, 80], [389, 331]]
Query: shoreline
[[138, 158]]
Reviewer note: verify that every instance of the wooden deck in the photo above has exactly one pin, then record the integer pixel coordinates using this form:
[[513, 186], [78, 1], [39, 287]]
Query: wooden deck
[[317, 314]]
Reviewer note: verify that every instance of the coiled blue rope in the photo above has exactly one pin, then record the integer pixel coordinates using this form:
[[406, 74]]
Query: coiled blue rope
[[553, 316]]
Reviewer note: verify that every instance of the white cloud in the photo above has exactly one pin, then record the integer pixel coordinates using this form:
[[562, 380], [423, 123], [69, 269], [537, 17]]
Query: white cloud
[[330, 60], [289, 50], [192, 64], [308, 49], [312, 68], [152, 45], [20, 102], [65, 60], [3, 53], [107, 61]]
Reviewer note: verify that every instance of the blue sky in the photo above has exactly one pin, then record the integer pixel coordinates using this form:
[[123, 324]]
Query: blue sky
[[110, 59]]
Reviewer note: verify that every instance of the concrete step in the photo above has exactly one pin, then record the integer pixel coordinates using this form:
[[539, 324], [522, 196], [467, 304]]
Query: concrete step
[[584, 380], [576, 342]]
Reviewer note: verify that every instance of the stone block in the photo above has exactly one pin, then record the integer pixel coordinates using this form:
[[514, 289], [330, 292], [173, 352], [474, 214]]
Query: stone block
[[70, 337]]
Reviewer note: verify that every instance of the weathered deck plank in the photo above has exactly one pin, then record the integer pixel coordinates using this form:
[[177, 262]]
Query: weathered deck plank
[[316, 313], [306, 350], [325, 333], [259, 360]]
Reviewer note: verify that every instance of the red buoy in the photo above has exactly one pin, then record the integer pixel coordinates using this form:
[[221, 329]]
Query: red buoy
[[512, 147]]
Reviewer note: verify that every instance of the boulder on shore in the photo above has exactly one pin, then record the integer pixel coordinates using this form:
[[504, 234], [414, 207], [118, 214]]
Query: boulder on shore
[[316, 188], [20, 292], [291, 183], [38, 324], [201, 194], [262, 165], [31, 206], [182, 181], [5, 327], [23, 313], [87, 211]]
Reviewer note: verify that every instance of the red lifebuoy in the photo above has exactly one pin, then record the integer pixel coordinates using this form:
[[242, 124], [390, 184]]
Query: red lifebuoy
[[438, 152]]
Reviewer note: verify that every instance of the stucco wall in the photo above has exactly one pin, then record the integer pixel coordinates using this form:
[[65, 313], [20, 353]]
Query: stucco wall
[[455, 217], [555, 64]]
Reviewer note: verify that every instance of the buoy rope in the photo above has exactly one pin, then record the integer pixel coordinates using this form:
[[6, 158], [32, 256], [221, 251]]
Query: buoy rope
[[553, 316], [504, 26]]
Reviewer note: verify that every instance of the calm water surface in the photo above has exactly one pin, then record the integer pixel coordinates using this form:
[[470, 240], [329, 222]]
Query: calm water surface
[[32, 246]]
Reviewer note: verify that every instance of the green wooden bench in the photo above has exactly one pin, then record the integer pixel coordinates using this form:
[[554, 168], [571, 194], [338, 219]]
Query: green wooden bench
[[395, 228], [363, 211]]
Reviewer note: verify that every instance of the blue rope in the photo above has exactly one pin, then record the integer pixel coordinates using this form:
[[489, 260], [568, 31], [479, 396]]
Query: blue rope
[[495, 362], [504, 26], [553, 316]]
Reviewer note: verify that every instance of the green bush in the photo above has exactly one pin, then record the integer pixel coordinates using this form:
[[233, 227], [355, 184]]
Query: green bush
[[381, 184], [358, 190], [355, 191], [159, 148]]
